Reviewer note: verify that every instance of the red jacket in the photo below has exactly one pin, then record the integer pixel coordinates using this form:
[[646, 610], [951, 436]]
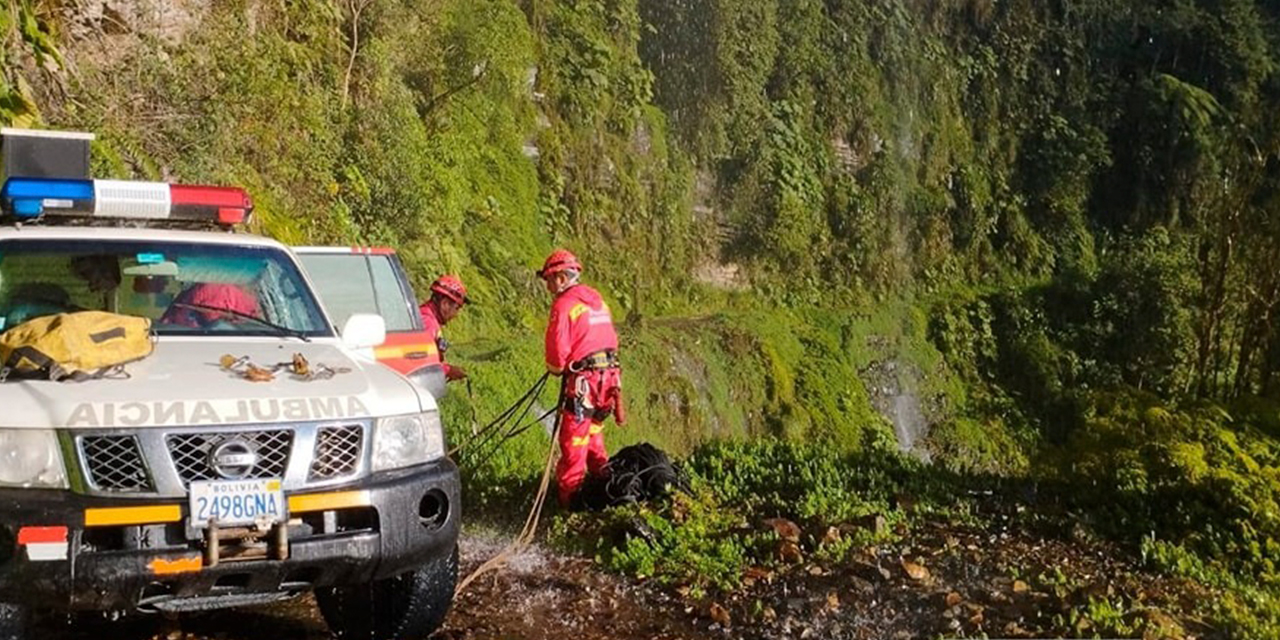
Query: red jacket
[[580, 326], [431, 325]]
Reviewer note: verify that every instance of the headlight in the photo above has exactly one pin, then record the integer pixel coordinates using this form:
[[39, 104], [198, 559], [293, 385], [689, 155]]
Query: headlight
[[31, 458], [404, 441]]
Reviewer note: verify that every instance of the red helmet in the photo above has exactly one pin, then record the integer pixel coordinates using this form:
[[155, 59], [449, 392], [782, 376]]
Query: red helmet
[[558, 261], [451, 287]]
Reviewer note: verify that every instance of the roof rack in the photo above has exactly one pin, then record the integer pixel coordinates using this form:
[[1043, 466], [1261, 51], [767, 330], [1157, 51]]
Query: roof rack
[[37, 153], [46, 179]]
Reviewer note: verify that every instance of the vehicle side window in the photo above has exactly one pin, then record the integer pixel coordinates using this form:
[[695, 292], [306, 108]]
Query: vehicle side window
[[343, 284], [392, 304]]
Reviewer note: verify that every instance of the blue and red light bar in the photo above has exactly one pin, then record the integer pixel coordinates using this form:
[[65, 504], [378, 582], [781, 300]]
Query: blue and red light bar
[[31, 198]]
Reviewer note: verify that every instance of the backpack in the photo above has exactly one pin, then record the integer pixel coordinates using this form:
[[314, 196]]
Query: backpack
[[637, 473], [79, 346]]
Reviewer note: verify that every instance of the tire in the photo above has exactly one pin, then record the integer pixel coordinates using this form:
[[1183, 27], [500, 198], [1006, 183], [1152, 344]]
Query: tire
[[15, 623], [405, 607]]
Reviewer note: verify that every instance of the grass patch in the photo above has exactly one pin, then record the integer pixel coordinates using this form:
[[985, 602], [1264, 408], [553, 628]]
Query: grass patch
[[707, 539]]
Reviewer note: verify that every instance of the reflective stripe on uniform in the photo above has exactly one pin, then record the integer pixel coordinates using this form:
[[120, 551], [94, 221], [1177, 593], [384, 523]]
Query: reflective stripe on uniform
[[596, 427], [578, 310], [581, 441]]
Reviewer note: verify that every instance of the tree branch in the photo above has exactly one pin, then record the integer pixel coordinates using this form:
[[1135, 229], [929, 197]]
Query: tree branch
[[357, 7], [451, 91]]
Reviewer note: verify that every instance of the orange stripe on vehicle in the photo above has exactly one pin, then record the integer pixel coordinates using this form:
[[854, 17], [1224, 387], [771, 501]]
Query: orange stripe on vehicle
[[326, 501], [400, 351], [132, 515], [162, 567]]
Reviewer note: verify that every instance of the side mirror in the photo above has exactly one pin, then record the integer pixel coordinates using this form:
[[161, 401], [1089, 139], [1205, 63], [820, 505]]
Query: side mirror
[[364, 331]]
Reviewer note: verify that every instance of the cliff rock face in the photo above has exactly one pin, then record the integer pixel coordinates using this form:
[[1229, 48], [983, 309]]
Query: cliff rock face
[[105, 31], [168, 20]]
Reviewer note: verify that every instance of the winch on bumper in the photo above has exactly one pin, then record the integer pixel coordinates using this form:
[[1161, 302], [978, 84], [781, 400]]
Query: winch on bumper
[[60, 550]]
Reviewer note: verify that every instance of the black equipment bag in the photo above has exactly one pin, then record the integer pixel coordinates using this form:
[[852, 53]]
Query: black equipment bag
[[637, 473]]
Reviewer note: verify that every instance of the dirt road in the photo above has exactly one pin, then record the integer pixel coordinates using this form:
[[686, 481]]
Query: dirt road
[[947, 581], [538, 595]]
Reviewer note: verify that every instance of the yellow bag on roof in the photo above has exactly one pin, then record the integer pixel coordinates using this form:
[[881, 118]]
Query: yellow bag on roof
[[80, 346]]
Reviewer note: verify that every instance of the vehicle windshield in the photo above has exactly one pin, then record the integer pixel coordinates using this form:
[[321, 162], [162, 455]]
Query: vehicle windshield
[[184, 288]]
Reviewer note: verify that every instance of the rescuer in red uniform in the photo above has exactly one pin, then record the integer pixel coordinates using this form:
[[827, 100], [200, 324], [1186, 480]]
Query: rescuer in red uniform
[[205, 299], [582, 347], [448, 295]]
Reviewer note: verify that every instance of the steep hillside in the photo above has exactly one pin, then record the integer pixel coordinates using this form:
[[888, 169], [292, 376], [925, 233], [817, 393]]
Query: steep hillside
[[1037, 242]]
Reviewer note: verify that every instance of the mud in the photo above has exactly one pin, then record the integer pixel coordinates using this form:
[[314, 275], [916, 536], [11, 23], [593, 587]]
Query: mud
[[995, 580], [539, 594]]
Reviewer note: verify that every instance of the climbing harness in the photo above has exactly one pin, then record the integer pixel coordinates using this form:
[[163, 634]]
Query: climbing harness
[[606, 359]]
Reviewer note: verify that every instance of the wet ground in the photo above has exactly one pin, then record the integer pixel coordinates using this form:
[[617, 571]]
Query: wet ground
[[948, 581], [539, 594]]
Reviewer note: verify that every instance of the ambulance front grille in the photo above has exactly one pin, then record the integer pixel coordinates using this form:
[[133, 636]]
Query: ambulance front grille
[[192, 453], [338, 451], [115, 464], [162, 462]]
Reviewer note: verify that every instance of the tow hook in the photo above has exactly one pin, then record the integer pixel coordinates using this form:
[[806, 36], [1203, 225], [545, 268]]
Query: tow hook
[[241, 544]]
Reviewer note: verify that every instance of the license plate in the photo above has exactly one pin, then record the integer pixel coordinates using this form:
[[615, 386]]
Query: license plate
[[236, 502]]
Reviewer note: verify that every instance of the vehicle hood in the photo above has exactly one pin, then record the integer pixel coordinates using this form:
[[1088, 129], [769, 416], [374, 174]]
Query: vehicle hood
[[182, 383]]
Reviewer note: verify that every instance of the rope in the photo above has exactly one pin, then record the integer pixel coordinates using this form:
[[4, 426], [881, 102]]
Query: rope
[[530, 522], [532, 398], [478, 459], [539, 501], [475, 420], [485, 434], [529, 397]]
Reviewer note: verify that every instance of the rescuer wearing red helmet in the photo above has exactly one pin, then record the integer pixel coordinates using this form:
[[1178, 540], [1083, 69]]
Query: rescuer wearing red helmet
[[582, 347], [197, 306], [448, 295]]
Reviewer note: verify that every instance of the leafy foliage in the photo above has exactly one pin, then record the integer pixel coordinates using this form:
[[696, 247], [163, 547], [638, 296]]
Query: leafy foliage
[[1065, 219], [707, 539]]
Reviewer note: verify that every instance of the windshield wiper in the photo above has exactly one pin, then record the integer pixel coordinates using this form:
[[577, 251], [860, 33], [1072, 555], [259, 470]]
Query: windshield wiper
[[280, 329]]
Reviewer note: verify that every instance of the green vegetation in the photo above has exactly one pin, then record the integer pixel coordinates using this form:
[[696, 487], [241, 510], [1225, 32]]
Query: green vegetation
[[1057, 226], [708, 538]]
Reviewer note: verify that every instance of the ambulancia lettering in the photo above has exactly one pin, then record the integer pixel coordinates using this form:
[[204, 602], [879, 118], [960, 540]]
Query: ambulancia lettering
[[194, 412]]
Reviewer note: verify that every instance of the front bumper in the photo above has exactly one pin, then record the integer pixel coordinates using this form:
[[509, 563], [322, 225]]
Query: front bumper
[[120, 557]]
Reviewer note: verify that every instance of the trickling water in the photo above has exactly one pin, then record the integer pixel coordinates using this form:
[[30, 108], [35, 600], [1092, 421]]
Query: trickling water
[[893, 393], [909, 424]]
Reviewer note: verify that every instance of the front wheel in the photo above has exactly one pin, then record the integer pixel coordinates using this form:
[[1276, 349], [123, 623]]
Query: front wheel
[[15, 622], [405, 607]]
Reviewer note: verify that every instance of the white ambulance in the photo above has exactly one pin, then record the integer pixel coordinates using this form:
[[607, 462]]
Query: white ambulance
[[215, 472]]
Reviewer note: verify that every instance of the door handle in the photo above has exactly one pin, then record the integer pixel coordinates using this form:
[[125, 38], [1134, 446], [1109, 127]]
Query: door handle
[[416, 355]]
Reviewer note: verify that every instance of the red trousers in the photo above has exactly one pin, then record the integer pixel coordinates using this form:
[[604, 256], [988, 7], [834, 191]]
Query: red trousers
[[589, 399], [581, 451]]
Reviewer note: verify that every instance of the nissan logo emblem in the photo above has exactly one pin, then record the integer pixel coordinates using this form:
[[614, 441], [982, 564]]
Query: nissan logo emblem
[[233, 459]]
